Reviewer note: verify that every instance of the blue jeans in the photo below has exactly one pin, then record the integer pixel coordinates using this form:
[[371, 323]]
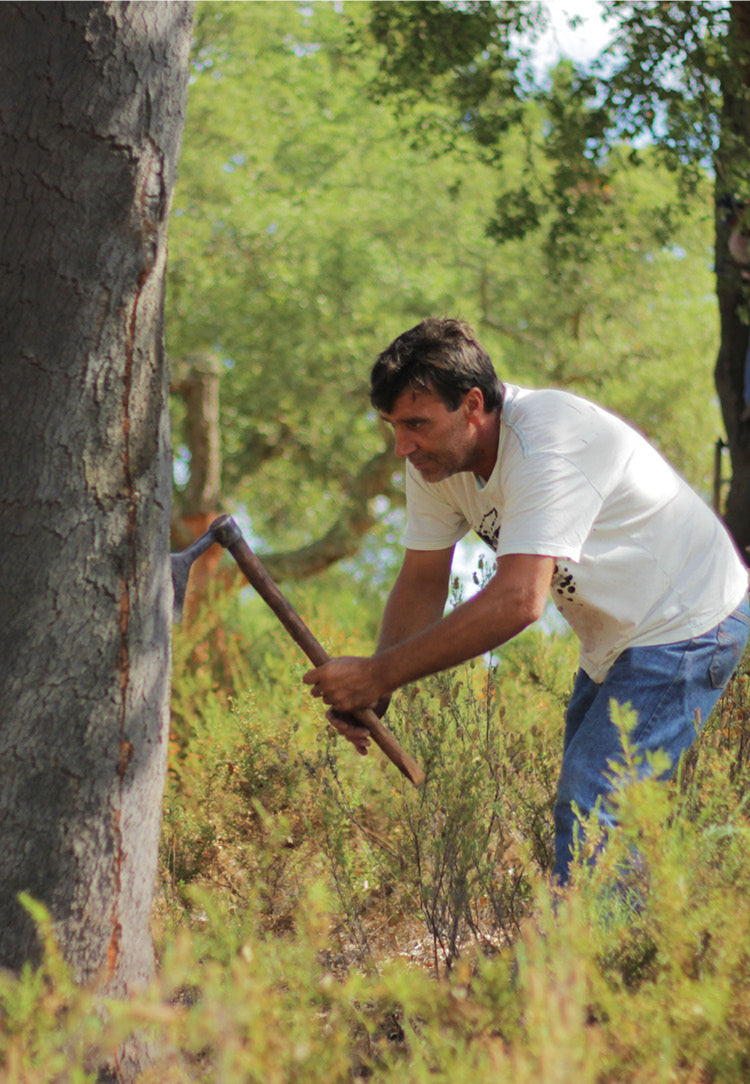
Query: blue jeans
[[665, 686]]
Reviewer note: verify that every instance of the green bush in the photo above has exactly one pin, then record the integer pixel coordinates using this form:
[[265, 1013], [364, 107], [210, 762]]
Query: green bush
[[322, 919]]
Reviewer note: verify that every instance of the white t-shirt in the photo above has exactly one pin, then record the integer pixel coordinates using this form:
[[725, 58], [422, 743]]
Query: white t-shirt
[[641, 559]]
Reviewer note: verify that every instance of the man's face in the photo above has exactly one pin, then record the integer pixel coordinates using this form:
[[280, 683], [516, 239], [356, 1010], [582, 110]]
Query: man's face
[[437, 441]]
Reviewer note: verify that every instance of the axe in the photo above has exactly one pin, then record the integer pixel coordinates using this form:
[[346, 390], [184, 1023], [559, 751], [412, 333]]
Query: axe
[[225, 531]]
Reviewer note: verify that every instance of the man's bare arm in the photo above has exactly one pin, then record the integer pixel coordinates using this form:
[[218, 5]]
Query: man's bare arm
[[513, 599], [416, 601], [418, 596]]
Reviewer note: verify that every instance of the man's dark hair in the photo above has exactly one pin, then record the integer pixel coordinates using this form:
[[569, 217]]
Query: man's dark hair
[[441, 356]]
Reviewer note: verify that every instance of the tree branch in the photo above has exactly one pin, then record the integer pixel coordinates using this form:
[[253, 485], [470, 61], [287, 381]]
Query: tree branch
[[343, 539]]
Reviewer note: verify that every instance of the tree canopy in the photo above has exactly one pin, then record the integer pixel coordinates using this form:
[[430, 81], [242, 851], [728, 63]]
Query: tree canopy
[[351, 168]]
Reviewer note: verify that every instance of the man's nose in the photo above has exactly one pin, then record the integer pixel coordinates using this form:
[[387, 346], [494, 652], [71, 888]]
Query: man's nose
[[405, 443]]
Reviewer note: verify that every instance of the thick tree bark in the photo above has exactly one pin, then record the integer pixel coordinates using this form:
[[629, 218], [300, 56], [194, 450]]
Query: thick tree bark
[[92, 100], [732, 289]]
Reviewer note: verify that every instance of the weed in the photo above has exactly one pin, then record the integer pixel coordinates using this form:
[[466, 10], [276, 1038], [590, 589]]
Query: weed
[[322, 919]]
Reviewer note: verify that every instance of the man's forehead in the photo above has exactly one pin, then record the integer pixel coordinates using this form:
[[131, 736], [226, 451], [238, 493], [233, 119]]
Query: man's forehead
[[412, 403]]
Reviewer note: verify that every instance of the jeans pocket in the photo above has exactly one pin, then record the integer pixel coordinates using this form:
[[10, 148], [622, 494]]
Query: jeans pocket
[[731, 638]]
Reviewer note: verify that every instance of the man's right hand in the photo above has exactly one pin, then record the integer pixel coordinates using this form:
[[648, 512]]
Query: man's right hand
[[358, 735]]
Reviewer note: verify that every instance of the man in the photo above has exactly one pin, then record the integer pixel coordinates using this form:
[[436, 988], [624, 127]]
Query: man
[[574, 501]]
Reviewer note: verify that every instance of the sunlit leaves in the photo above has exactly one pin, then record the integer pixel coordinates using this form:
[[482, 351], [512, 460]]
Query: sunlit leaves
[[308, 230]]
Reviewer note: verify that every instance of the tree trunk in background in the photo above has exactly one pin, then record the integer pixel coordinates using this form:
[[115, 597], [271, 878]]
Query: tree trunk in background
[[732, 292], [92, 99], [196, 381]]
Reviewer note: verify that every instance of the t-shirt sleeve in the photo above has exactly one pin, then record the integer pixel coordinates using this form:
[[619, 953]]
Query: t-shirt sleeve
[[550, 507], [431, 522]]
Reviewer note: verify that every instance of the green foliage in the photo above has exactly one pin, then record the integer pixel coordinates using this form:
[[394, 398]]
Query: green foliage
[[602, 263], [477, 824], [459, 54], [254, 984], [46, 1023], [300, 943], [304, 236], [673, 65], [311, 224]]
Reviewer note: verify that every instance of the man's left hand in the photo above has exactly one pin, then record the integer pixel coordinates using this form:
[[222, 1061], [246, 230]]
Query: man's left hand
[[346, 683]]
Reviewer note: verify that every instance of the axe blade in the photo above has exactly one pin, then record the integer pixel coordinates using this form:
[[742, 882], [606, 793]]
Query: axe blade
[[182, 563]]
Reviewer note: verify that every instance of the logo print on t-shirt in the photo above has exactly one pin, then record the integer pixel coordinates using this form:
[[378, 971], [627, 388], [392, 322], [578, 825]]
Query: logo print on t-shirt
[[563, 585], [489, 528]]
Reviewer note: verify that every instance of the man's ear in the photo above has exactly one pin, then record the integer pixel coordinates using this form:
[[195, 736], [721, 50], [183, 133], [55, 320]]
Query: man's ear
[[474, 401]]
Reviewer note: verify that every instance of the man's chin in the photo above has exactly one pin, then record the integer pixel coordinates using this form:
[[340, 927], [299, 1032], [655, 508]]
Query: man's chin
[[432, 472]]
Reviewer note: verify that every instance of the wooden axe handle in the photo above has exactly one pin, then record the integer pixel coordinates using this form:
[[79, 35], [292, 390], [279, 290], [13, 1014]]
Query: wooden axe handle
[[258, 577]]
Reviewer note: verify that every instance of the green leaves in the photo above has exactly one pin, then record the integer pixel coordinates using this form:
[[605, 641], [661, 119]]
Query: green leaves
[[349, 170]]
